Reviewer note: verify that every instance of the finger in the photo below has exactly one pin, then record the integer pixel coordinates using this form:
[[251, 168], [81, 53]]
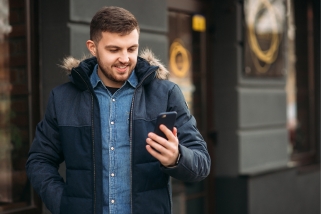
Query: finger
[[158, 139], [175, 131], [156, 146], [167, 156], [168, 133], [164, 160], [155, 153]]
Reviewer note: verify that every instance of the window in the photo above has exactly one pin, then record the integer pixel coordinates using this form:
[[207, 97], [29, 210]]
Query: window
[[15, 108], [302, 85]]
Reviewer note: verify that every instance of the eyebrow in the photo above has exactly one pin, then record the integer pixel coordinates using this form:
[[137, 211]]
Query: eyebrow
[[114, 46]]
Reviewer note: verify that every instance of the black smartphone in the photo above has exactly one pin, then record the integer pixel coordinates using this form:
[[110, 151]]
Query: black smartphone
[[166, 118]]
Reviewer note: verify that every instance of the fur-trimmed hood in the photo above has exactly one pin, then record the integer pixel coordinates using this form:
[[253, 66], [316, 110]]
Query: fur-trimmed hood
[[161, 73]]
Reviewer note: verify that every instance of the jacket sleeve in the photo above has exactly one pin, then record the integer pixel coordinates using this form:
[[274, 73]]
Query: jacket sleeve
[[194, 164], [45, 155]]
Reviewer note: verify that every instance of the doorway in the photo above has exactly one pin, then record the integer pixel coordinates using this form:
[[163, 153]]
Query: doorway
[[187, 64]]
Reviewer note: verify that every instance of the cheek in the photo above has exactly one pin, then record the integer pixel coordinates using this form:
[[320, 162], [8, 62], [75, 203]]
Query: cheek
[[133, 58], [105, 58], [108, 60], [133, 61]]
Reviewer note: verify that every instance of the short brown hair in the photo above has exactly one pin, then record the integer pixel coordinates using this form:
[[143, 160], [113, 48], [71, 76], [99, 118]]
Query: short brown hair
[[114, 20]]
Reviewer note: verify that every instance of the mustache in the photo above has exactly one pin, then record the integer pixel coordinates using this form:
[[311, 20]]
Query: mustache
[[122, 64]]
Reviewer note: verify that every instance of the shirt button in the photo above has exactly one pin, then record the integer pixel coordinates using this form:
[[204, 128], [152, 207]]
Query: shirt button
[[114, 100], [112, 148], [112, 174], [112, 122], [112, 201]]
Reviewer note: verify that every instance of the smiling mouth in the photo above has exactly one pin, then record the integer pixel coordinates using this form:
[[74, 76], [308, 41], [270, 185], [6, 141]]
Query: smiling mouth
[[122, 68]]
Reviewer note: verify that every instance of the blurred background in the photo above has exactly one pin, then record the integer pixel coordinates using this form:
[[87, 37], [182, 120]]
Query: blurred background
[[249, 70]]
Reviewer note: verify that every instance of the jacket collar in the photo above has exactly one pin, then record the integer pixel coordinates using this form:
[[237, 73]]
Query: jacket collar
[[80, 70]]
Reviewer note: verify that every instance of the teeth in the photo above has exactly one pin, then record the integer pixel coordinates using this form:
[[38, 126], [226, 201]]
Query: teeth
[[121, 66]]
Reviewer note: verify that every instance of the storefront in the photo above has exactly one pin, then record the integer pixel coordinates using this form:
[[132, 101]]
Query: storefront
[[249, 71]]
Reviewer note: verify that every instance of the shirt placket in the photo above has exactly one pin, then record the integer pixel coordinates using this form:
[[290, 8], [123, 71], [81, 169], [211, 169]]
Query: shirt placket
[[114, 109], [112, 168]]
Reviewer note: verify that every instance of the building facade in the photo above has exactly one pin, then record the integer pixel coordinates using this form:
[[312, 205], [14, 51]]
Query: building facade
[[249, 71]]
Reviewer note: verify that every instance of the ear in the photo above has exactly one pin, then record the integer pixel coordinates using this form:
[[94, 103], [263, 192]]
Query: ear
[[91, 47]]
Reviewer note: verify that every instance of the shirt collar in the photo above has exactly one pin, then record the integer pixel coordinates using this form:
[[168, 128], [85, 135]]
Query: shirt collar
[[94, 78], [132, 80]]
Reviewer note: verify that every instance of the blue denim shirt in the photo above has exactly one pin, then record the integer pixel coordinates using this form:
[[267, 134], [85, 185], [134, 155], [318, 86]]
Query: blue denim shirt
[[114, 115]]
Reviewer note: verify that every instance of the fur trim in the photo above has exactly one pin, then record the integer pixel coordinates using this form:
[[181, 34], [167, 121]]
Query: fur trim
[[148, 55], [162, 73], [69, 62]]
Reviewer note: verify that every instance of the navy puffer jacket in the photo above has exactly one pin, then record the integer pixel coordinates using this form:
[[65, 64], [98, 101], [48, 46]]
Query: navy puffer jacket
[[70, 131]]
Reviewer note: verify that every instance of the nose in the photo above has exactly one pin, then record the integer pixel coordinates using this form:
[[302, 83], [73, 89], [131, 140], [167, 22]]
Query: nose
[[124, 57]]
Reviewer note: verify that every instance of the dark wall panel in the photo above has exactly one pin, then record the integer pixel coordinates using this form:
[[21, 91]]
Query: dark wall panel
[[54, 45], [151, 15]]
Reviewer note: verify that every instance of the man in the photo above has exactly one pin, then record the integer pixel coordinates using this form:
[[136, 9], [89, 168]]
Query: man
[[101, 124]]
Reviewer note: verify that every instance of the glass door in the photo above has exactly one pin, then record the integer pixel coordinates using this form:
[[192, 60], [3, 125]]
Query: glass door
[[187, 65]]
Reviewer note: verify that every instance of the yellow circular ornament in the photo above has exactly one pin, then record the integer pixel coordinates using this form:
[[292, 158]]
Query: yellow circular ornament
[[267, 56], [179, 59]]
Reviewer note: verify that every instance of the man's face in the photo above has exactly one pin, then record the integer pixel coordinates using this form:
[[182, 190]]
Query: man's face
[[116, 56]]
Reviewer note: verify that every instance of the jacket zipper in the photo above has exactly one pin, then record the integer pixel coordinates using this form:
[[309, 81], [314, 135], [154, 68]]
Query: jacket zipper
[[93, 142], [92, 137], [131, 140]]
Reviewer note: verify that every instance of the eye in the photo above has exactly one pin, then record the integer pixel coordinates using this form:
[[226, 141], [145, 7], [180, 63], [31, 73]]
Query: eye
[[113, 50], [132, 49]]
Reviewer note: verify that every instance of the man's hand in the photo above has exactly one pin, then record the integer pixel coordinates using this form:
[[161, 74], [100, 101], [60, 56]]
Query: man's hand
[[166, 151]]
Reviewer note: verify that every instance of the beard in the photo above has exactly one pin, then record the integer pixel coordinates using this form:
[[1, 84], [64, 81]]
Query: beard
[[109, 74]]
